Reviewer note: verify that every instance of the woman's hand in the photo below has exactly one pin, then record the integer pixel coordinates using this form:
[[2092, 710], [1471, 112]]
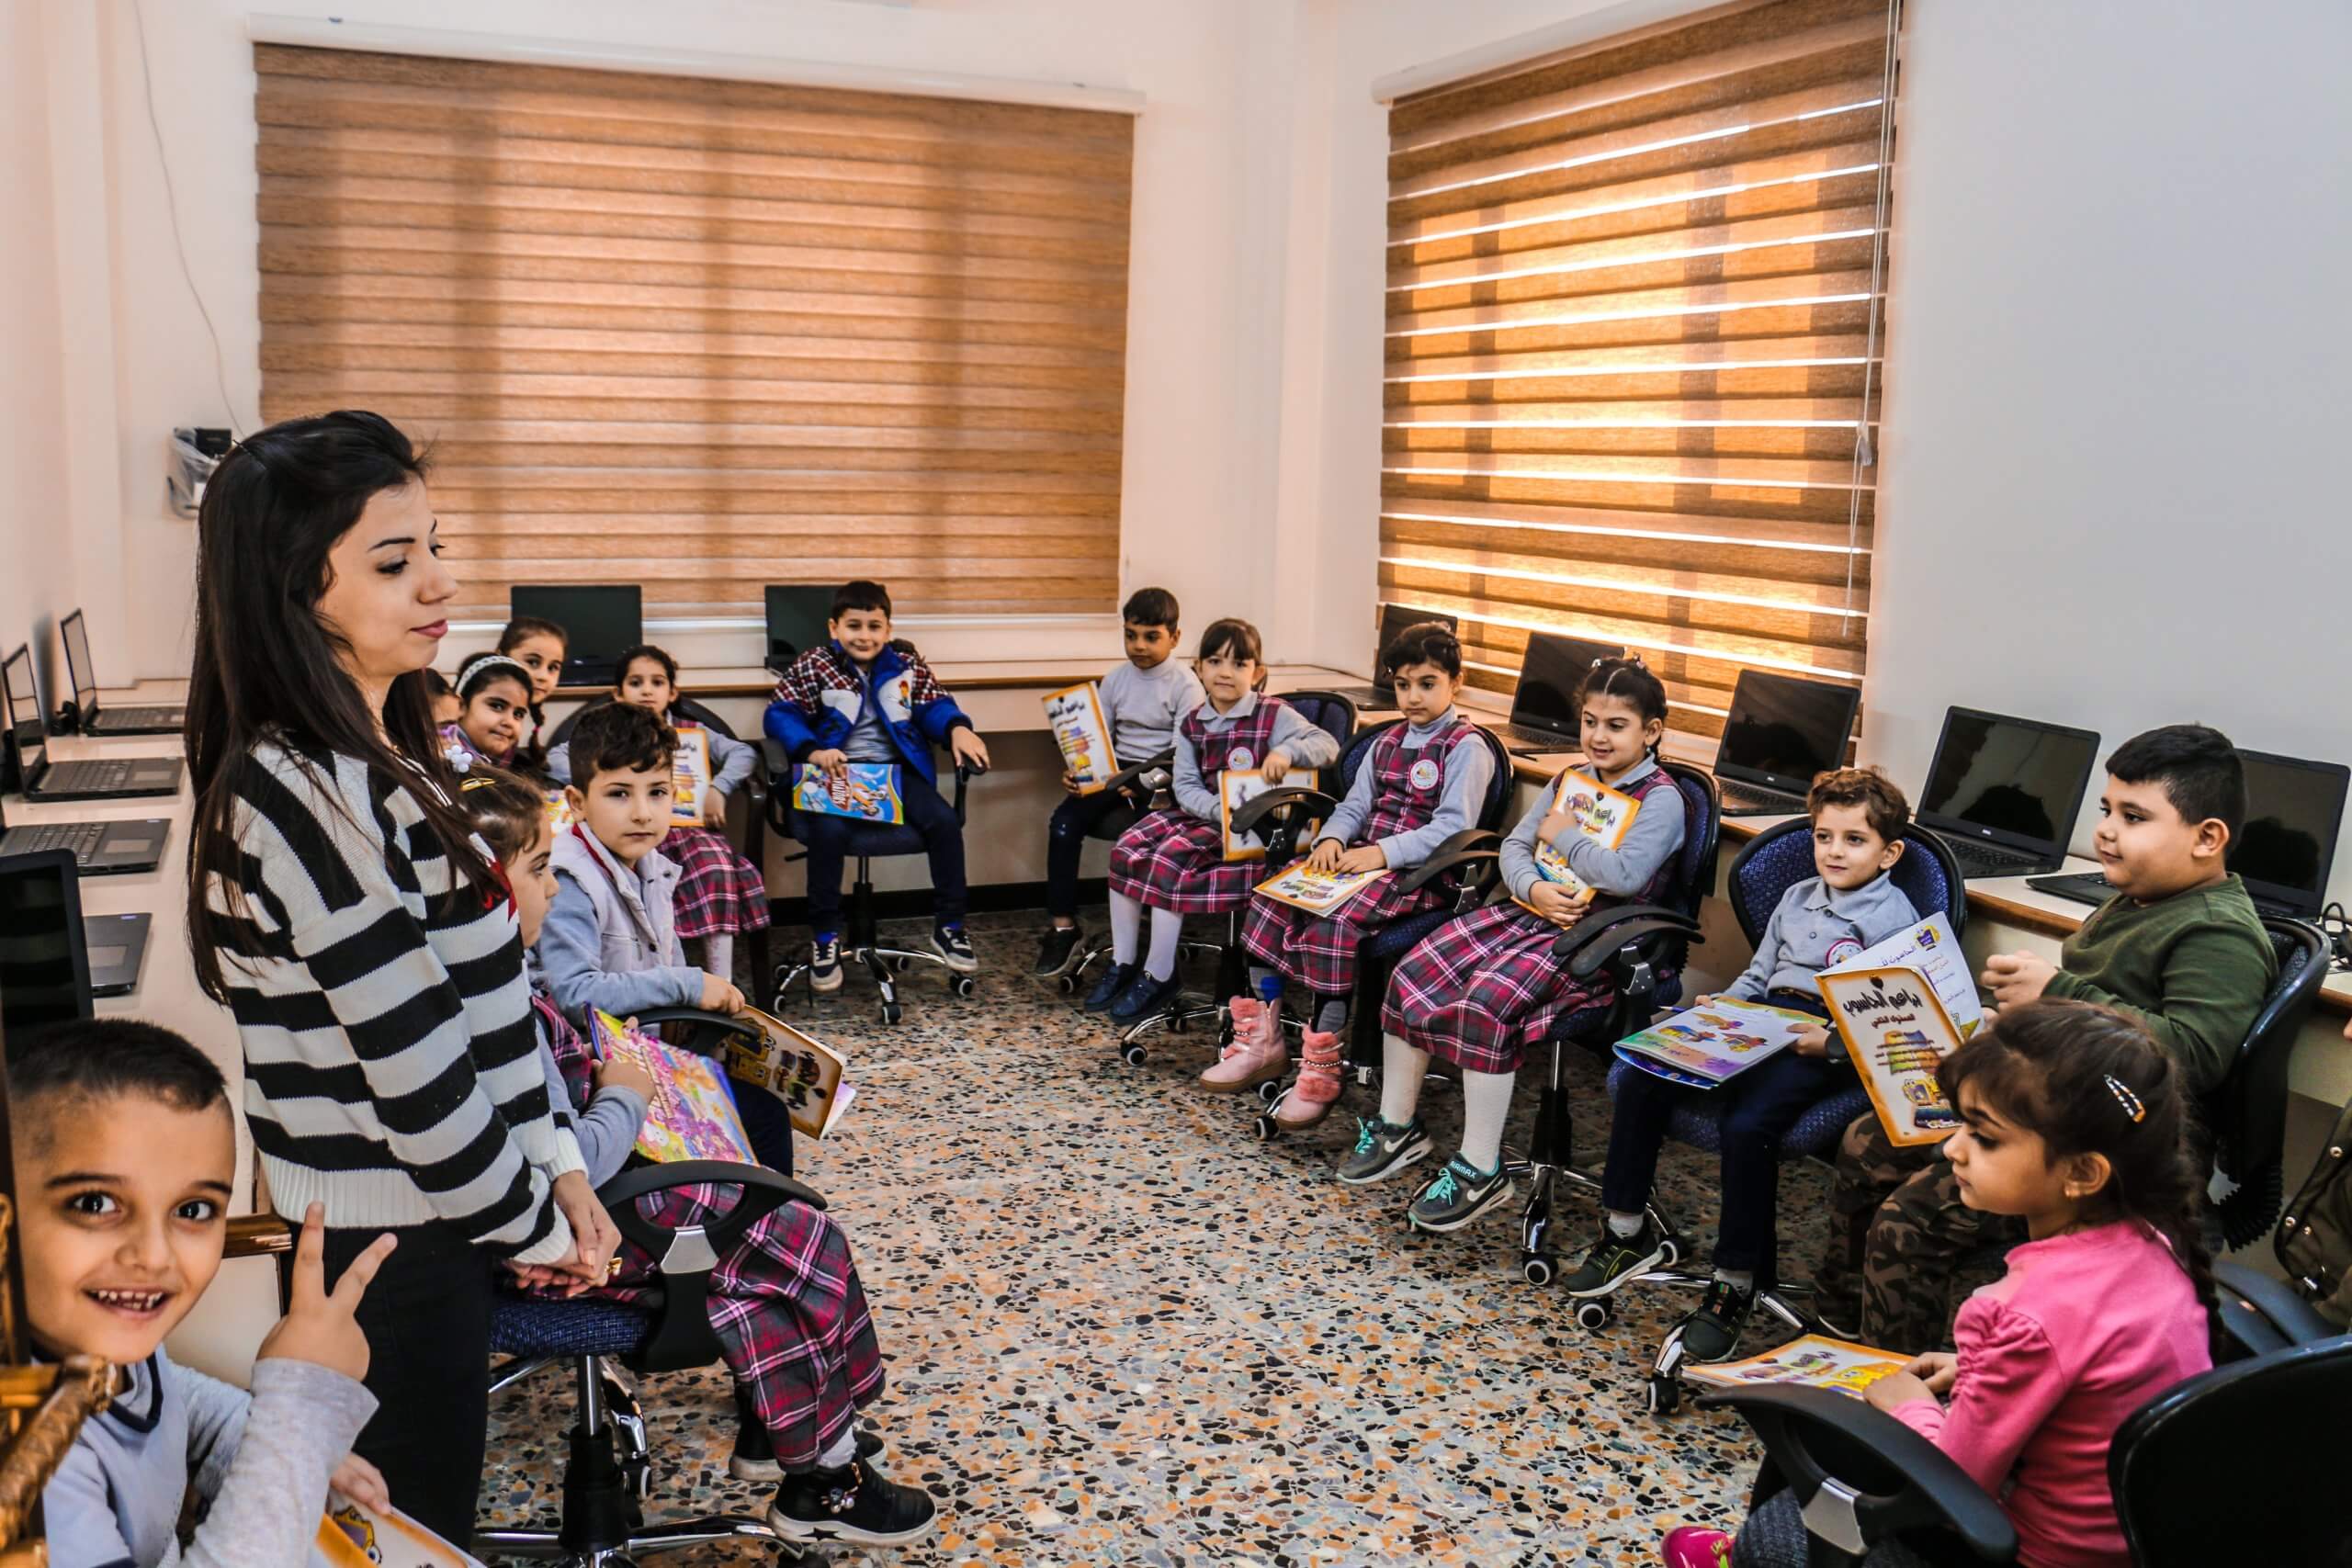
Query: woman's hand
[[362, 1483], [1363, 857], [594, 1237], [1325, 856], [1275, 766], [321, 1326]]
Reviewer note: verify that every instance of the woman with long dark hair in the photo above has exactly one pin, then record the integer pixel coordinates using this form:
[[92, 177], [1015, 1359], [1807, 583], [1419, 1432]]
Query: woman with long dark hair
[[340, 906]]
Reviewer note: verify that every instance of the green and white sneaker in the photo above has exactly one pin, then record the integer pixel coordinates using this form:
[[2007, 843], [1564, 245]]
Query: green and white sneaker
[[1612, 1259], [1457, 1195], [1711, 1330], [1381, 1150]]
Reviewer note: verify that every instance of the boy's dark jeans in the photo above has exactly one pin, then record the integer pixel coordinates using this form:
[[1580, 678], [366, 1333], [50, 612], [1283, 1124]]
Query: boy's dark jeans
[[1065, 841], [827, 840]]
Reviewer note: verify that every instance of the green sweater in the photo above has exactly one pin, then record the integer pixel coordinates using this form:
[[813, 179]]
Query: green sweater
[[2194, 968]]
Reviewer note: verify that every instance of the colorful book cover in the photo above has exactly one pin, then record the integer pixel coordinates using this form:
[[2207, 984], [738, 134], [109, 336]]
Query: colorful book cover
[[1600, 813], [1897, 1032], [1236, 787], [692, 1115], [1075, 716], [1707, 1044], [865, 792], [1814, 1361], [689, 776], [560, 815], [795, 1066], [352, 1535], [1318, 892]]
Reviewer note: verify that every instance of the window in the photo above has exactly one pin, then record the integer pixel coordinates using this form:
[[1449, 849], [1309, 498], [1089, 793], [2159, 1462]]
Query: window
[[706, 336], [1635, 303]]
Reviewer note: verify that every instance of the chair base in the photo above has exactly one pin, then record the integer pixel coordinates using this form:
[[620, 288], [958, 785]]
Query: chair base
[[862, 946], [548, 1546]]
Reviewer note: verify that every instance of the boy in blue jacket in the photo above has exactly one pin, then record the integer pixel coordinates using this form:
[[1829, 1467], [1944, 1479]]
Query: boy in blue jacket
[[859, 699]]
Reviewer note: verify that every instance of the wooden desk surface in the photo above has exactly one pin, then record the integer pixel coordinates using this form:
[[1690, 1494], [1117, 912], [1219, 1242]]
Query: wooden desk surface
[[1040, 675]]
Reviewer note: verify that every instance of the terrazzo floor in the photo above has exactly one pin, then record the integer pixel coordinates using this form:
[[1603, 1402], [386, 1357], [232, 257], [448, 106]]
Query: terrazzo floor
[[1121, 1330]]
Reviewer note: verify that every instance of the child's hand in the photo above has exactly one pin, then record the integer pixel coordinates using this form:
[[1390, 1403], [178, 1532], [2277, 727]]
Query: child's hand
[[1555, 827], [1899, 1388], [2015, 978], [1363, 857], [1813, 1042], [1938, 1370], [319, 1326], [362, 1483], [719, 995], [1276, 764], [1556, 904], [620, 1071], [1069, 782], [968, 749], [832, 762], [1325, 857]]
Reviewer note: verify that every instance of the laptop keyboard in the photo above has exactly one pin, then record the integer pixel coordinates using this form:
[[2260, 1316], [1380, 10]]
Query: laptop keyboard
[[140, 718], [1742, 797], [1988, 860], [82, 838], [79, 776], [1540, 740]]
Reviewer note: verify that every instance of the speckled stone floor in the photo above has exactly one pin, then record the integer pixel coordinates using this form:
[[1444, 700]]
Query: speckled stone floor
[[1121, 1330]]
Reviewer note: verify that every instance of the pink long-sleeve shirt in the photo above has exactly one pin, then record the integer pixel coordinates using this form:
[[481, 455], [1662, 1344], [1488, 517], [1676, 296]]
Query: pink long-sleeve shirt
[[2082, 1331]]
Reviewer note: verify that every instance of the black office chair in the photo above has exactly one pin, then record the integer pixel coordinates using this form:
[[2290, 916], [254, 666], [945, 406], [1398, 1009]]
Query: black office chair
[[1464, 869], [2247, 1114], [1774, 860], [2262, 1314], [1142, 788], [609, 1472]]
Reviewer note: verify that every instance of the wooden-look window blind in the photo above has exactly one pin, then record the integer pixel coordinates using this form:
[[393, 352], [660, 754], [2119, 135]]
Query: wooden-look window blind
[[1634, 296], [706, 336]]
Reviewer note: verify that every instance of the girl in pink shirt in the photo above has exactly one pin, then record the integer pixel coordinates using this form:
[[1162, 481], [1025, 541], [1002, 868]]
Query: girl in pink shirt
[[2076, 1122]]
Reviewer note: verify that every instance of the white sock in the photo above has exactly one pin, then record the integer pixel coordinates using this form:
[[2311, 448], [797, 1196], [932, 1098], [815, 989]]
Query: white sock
[[1127, 928], [844, 1450], [1401, 1067], [1624, 1227], [1166, 930], [1486, 1102], [718, 955], [1737, 1279]]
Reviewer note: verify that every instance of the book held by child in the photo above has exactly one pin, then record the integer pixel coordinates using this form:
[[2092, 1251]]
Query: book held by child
[[1080, 729], [864, 791], [1711, 1043], [1814, 1361], [1236, 787], [689, 776], [1318, 892], [1901, 1006], [693, 1114], [353, 1535], [1600, 813], [798, 1068]]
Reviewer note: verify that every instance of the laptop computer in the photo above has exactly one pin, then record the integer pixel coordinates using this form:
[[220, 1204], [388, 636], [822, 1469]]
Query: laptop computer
[[2003, 793], [598, 623], [99, 849], [53, 959], [1781, 731], [1394, 618], [797, 616], [2294, 810], [1543, 704], [90, 717], [97, 779]]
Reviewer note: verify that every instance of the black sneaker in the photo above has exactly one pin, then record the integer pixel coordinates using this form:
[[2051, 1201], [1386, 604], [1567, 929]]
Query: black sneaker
[[852, 1504], [1114, 981], [1144, 998], [1615, 1259], [1712, 1329], [825, 961], [754, 1455], [1381, 1150], [1053, 951], [1457, 1195], [956, 947]]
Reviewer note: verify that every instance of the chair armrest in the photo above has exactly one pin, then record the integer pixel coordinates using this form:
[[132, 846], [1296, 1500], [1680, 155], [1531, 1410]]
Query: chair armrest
[[2274, 1301], [1588, 944], [1257, 810], [963, 782], [258, 1235], [765, 1191], [1128, 781], [1806, 1431], [1469, 845], [703, 1025]]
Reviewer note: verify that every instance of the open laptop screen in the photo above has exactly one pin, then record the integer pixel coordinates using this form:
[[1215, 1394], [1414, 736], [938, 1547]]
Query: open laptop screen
[[1394, 618], [1549, 677], [598, 623], [44, 972], [2294, 810], [2009, 780], [1782, 729], [78, 668], [797, 614], [23, 704]]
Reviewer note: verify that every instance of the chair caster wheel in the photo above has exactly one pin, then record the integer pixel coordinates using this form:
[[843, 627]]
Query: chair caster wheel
[[1068, 983], [962, 984], [901, 963], [889, 1012], [1270, 1091], [1176, 1024], [1663, 1395], [1134, 1055], [1595, 1314], [1265, 1129], [1541, 1269], [1670, 1252]]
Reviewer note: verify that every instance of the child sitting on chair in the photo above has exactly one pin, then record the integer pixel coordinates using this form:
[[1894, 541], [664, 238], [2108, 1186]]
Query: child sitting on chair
[[493, 710], [1142, 701], [538, 646], [1850, 903], [1478, 991], [1172, 863], [1423, 781]]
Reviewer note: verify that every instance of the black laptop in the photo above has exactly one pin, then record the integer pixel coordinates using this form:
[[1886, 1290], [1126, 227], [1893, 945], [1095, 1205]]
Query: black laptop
[[92, 718], [1781, 731], [54, 960], [1543, 704], [599, 623], [2294, 810], [99, 849], [2004, 792], [797, 616], [100, 778], [1394, 618]]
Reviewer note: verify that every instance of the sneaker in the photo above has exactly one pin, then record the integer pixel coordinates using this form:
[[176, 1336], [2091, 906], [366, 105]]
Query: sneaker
[[1054, 950], [1382, 1149], [1614, 1258], [955, 948], [754, 1455], [1711, 1330], [1457, 1195], [1692, 1547], [852, 1504], [1144, 998], [825, 961], [1316, 1089], [1114, 983]]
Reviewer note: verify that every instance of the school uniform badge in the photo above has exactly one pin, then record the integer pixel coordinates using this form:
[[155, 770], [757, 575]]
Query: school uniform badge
[[1425, 773], [1240, 759], [1840, 950]]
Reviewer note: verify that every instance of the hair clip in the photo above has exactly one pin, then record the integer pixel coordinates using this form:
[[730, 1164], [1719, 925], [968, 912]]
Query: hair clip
[[2126, 1099], [460, 760], [481, 661], [473, 783]]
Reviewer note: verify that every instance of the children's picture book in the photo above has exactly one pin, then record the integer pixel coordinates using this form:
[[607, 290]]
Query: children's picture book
[[1075, 716], [1236, 787], [689, 776], [1705, 1045], [798, 1068], [867, 792], [692, 1115], [560, 815], [352, 1535], [1600, 813], [1318, 892], [1897, 1032], [1814, 1361]]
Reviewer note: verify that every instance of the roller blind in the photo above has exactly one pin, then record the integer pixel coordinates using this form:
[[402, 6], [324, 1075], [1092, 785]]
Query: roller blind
[[1634, 305], [705, 335]]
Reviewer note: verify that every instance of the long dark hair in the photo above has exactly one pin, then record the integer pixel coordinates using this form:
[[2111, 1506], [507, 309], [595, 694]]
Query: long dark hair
[[1631, 681], [2087, 1079], [266, 667]]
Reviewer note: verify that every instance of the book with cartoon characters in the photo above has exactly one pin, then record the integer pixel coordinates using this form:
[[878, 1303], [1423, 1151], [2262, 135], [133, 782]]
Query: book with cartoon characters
[[1709, 1044], [864, 791], [795, 1066], [1075, 716], [1236, 787], [689, 776], [1318, 892], [693, 1114], [1600, 813], [352, 1535], [1902, 1007], [1814, 1361]]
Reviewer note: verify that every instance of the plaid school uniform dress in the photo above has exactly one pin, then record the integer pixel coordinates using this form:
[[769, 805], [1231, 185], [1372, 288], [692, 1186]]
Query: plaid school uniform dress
[[785, 1305], [720, 890], [1173, 860], [1319, 951], [1478, 991]]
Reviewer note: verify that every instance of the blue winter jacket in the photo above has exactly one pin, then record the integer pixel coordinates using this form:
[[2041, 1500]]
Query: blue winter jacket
[[820, 697]]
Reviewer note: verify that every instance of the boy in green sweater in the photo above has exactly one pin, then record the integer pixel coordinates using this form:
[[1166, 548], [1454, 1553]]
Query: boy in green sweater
[[2178, 948]]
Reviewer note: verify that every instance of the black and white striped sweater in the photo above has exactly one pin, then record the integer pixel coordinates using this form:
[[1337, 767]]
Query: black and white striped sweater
[[392, 1059]]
